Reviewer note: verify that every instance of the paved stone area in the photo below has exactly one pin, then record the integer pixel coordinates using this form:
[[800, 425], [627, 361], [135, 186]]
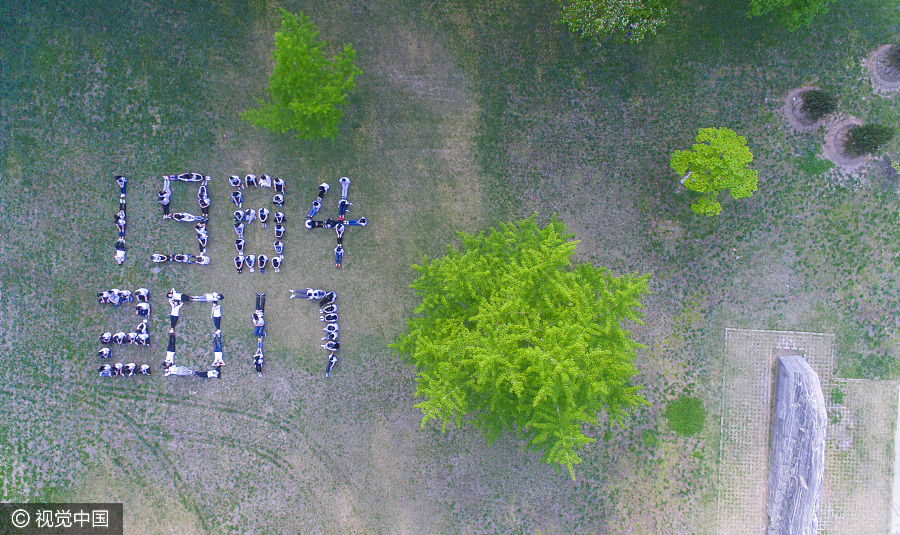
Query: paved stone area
[[859, 457]]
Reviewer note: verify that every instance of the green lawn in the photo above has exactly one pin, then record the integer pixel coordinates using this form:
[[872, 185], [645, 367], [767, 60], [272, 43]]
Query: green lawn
[[466, 114]]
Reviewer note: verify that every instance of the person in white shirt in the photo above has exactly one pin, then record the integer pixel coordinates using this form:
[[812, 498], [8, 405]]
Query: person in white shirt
[[178, 370], [142, 294], [202, 260], [263, 215], [276, 263], [211, 297], [258, 357], [261, 261], [176, 310], [239, 263], [120, 251], [217, 315], [217, 349], [177, 296], [170, 350], [144, 369], [235, 181]]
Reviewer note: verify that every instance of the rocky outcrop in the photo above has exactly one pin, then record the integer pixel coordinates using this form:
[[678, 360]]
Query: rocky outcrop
[[797, 458]]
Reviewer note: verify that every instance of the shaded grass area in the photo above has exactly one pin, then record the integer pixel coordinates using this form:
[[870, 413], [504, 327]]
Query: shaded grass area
[[468, 114]]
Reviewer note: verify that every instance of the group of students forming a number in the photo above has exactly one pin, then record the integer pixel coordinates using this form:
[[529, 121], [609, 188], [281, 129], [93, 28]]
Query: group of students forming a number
[[330, 316], [244, 217], [176, 301], [164, 197], [338, 225], [139, 336]]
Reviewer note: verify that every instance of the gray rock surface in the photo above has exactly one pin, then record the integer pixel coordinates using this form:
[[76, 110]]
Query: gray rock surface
[[797, 457]]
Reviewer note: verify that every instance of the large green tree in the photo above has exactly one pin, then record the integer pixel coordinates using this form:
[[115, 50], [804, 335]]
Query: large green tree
[[619, 20], [716, 162], [792, 14], [511, 336], [306, 86]]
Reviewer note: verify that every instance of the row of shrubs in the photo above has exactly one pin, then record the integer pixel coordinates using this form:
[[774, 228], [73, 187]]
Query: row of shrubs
[[863, 139]]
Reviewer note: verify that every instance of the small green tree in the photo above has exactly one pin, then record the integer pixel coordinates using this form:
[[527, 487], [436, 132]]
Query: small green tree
[[717, 161], [510, 336], [818, 104], [867, 139], [792, 14], [305, 87], [619, 20]]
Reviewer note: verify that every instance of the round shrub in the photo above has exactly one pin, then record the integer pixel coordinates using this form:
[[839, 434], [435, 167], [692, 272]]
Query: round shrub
[[892, 57], [818, 104], [867, 139], [686, 416]]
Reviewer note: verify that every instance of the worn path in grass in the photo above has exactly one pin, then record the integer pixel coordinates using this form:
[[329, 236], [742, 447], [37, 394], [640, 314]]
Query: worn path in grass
[[467, 114]]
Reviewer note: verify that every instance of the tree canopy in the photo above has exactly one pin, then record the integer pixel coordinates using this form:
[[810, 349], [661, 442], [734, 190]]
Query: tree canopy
[[717, 161], [511, 336], [619, 20], [867, 139], [792, 14], [306, 86]]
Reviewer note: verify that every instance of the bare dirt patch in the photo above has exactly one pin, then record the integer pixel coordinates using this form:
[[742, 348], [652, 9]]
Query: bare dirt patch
[[792, 114], [884, 78], [835, 136]]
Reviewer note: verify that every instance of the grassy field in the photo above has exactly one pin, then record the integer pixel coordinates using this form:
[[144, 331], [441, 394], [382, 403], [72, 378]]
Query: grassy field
[[467, 114]]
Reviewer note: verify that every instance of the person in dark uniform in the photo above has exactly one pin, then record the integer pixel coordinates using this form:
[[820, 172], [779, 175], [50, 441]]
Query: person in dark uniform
[[258, 317], [261, 261], [170, 350], [258, 357], [332, 360]]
